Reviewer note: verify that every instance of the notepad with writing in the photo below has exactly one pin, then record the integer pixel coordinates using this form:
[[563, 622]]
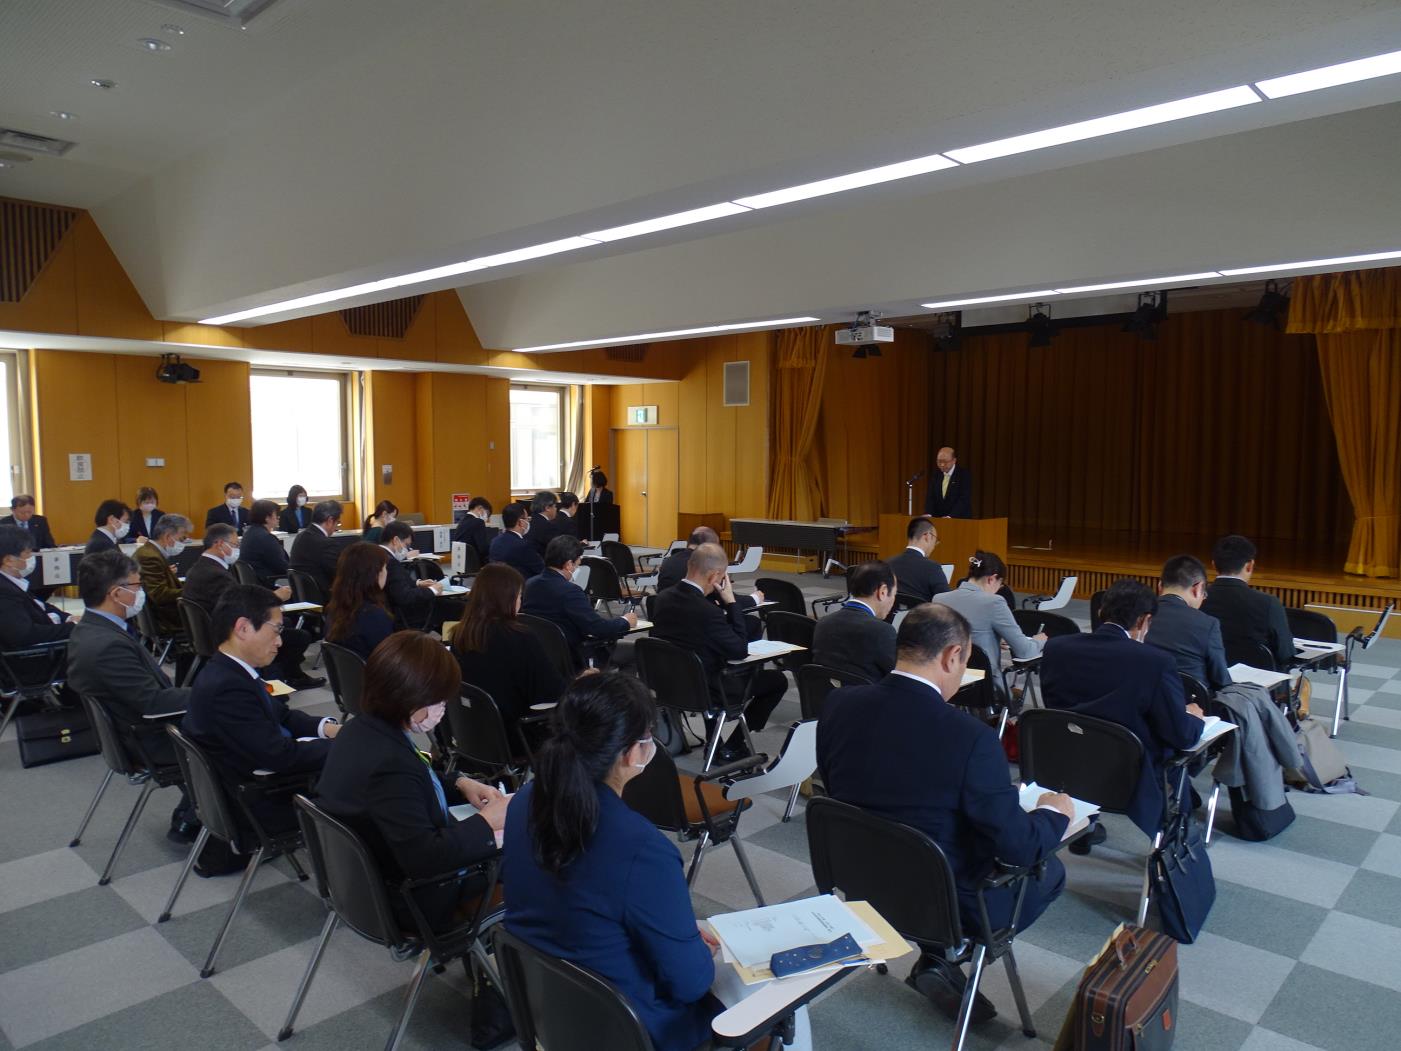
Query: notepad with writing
[[1213, 727], [749, 939], [1031, 792]]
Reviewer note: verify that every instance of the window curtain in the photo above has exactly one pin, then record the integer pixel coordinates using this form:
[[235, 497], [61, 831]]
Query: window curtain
[[795, 489], [1356, 319], [574, 440]]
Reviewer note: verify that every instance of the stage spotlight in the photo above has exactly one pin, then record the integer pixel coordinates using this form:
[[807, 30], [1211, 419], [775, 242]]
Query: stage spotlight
[[1143, 322], [1273, 308], [866, 350], [947, 331], [1038, 323]]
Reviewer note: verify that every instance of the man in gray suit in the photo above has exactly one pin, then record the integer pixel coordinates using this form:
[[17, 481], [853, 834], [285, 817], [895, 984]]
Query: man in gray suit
[[109, 665], [1180, 627], [856, 638]]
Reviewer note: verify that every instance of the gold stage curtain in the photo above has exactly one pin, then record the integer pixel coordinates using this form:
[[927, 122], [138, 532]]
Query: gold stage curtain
[[1218, 426], [795, 488], [1357, 319]]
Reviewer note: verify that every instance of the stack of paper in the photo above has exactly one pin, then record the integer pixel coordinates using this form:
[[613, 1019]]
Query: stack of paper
[[1244, 673], [766, 648], [1031, 792], [749, 939]]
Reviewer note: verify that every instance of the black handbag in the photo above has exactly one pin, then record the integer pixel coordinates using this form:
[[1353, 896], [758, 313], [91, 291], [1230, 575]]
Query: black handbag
[[1182, 880], [53, 736]]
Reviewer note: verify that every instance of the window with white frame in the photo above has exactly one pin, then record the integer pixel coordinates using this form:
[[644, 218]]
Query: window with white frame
[[299, 433], [13, 475], [537, 437]]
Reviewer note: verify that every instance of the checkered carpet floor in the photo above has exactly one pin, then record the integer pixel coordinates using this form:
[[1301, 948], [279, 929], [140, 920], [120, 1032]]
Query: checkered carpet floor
[[1302, 950]]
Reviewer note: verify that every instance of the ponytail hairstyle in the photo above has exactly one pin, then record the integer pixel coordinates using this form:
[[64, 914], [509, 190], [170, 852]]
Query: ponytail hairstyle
[[983, 564], [599, 718]]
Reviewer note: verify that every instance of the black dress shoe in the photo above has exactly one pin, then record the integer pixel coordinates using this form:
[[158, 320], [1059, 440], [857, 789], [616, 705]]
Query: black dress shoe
[[305, 682], [943, 984], [1097, 834], [183, 831]]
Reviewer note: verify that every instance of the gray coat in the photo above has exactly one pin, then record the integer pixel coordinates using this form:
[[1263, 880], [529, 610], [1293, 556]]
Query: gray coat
[[1262, 745], [991, 620]]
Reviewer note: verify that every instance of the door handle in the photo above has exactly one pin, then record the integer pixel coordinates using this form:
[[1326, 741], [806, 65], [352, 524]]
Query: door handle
[[644, 492]]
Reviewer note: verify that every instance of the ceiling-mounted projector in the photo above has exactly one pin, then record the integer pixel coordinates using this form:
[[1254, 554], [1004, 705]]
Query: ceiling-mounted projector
[[861, 335], [173, 370]]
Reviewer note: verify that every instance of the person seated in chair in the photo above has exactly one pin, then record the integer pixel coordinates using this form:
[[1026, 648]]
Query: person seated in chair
[[260, 550], [147, 512], [1249, 618], [511, 546], [554, 597], [156, 557], [231, 511], [673, 570], [113, 521], [544, 509], [1110, 675], [313, 552], [989, 616], [233, 717], [855, 637], [473, 531], [357, 616], [414, 602], [916, 573], [1180, 627], [898, 749], [296, 516], [22, 515], [565, 525], [25, 620]]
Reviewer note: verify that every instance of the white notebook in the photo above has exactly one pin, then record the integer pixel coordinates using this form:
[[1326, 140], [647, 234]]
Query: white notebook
[[1031, 792], [1244, 673]]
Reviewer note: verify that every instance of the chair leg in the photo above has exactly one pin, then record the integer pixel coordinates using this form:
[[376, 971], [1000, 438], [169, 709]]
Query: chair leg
[[243, 885], [131, 821], [1015, 981], [714, 746], [190, 860], [92, 809], [694, 868], [792, 802], [1340, 711], [970, 992], [1211, 809], [1148, 881], [744, 864], [296, 866], [327, 928], [9, 714], [410, 998], [1002, 722]]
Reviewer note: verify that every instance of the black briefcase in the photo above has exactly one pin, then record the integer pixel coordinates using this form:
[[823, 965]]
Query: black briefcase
[[53, 736]]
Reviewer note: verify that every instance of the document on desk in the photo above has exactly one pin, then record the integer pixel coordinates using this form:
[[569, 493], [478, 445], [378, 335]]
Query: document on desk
[[1212, 727], [1244, 673], [1031, 792], [766, 648], [1310, 648], [298, 607], [971, 675], [462, 811], [752, 937]]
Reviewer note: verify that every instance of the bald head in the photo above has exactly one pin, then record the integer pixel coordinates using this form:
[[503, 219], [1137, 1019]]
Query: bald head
[[706, 562], [945, 459], [702, 535]]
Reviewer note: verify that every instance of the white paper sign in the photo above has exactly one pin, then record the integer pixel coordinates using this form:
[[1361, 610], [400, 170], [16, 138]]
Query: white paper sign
[[442, 539], [459, 557], [80, 467], [55, 566]]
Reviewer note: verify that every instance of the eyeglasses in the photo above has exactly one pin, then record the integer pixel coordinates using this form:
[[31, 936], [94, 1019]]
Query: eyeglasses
[[130, 585], [277, 626]]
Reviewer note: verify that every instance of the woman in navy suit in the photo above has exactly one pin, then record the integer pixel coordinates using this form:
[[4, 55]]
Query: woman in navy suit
[[296, 516], [356, 614], [145, 514]]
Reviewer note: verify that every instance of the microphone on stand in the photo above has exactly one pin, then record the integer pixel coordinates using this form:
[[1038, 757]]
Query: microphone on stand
[[914, 478]]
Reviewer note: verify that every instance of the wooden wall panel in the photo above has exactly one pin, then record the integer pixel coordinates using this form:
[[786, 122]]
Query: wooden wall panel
[[77, 413], [495, 441], [219, 437], [393, 439], [153, 422], [423, 434], [108, 303]]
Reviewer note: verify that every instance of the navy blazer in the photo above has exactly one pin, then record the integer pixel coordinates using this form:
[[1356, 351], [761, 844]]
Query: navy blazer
[[1194, 640], [854, 639], [264, 553], [542, 531], [622, 910], [1108, 675], [38, 528], [410, 604], [25, 620], [917, 575], [99, 541], [370, 626], [719, 634], [897, 749], [1250, 616], [314, 552], [515, 550], [550, 597], [139, 527], [958, 503], [221, 515], [294, 519], [474, 532]]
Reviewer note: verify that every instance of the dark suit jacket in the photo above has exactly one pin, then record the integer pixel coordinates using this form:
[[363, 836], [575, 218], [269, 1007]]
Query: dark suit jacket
[[139, 527], [1247, 616], [917, 576], [38, 527], [289, 522], [114, 669], [897, 749], [375, 780], [673, 568], [551, 597], [315, 554], [959, 501], [853, 639], [621, 910], [370, 626], [24, 619], [542, 531], [99, 541], [515, 550], [221, 515], [1107, 675], [264, 553], [206, 581], [409, 603], [604, 496], [162, 586], [1194, 640], [513, 668], [474, 532], [718, 634], [566, 525]]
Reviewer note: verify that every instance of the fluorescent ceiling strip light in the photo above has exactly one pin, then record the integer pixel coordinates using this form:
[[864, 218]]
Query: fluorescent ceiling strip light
[[668, 222], [1332, 76], [888, 173], [1179, 279], [1162, 113], [1312, 264], [485, 262], [676, 333], [950, 304]]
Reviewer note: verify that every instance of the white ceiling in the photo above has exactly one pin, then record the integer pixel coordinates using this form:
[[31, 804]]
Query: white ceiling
[[336, 141]]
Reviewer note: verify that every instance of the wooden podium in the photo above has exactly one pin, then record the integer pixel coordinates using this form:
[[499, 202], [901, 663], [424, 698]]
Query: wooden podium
[[958, 539]]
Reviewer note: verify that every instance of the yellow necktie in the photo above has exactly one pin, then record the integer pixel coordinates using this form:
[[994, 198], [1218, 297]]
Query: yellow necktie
[[945, 490]]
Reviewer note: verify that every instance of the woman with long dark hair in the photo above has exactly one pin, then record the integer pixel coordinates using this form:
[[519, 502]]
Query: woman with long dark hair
[[385, 512], [356, 614], [296, 516]]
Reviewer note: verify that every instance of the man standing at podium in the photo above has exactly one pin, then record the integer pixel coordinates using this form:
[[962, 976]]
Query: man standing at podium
[[951, 488]]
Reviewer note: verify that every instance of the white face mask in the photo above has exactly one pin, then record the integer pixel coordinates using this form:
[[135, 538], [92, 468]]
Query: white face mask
[[174, 550], [301, 501], [147, 507], [432, 717], [122, 530], [388, 518], [234, 501], [399, 553], [137, 606], [30, 564], [231, 557]]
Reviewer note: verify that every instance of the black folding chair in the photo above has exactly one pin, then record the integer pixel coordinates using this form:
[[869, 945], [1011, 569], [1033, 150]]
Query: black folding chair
[[125, 753], [200, 631], [560, 1005], [605, 584], [787, 594], [677, 678], [793, 628], [982, 699], [552, 638], [1318, 627], [355, 892], [479, 742], [35, 673], [305, 588], [1034, 622], [244, 573], [158, 642], [227, 816], [816, 681], [1254, 654], [345, 672], [1096, 601], [906, 877], [1198, 694], [621, 556]]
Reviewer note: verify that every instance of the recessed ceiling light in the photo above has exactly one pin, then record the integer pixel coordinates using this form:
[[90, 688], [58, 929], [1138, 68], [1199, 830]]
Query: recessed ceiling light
[[62, 114], [854, 180], [173, 29], [151, 43], [950, 304], [668, 222], [103, 83], [1177, 279], [677, 333], [1112, 124], [1332, 76]]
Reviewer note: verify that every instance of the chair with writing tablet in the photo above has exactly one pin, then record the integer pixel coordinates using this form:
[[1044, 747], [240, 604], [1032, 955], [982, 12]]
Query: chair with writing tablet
[[1198, 694], [1034, 622], [1059, 600], [787, 594], [1313, 626]]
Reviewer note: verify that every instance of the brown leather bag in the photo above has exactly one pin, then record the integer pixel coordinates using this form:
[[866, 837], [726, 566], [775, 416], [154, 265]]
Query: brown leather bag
[[1127, 1000]]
